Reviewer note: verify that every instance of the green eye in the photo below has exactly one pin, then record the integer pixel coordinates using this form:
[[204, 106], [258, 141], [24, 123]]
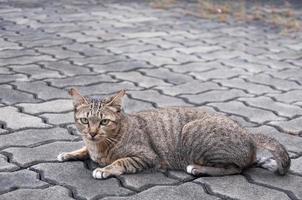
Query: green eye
[[104, 122], [84, 120]]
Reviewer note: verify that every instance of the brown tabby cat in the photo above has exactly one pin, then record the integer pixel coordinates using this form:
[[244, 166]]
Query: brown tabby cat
[[184, 138]]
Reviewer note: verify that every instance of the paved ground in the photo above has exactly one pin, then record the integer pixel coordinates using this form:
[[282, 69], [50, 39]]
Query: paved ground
[[162, 58]]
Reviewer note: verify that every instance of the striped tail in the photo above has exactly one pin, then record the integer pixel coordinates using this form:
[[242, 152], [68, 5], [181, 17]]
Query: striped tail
[[281, 161]]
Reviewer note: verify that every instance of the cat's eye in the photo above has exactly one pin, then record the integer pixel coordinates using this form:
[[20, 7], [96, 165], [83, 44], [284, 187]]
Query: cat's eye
[[84, 120], [104, 122]]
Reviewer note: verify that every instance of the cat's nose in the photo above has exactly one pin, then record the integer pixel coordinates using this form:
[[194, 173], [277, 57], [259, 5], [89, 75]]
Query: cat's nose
[[92, 134]]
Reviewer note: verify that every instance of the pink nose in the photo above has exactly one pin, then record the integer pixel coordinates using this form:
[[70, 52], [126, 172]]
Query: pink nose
[[92, 134]]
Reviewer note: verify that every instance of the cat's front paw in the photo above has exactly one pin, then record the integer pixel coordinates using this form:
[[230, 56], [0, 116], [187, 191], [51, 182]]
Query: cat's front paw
[[101, 173], [62, 157]]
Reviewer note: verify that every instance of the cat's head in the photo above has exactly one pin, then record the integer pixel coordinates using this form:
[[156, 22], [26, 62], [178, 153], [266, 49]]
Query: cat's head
[[97, 118]]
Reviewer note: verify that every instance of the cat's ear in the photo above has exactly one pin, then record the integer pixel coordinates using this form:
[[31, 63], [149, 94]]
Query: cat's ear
[[117, 99], [78, 99]]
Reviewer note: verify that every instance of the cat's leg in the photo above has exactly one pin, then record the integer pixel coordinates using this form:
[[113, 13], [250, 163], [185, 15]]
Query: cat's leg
[[80, 154], [198, 170], [120, 166]]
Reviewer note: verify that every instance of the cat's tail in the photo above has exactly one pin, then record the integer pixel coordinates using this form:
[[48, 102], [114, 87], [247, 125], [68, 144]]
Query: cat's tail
[[281, 161]]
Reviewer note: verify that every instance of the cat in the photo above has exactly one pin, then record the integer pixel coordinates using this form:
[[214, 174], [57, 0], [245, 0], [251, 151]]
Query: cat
[[179, 138]]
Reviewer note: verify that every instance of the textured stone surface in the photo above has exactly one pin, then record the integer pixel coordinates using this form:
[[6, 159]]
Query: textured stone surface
[[19, 179], [17, 120], [161, 57], [188, 191], [76, 176], [239, 188], [51, 193]]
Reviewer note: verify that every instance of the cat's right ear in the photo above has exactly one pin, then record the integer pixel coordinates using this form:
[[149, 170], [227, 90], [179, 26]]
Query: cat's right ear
[[78, 99]]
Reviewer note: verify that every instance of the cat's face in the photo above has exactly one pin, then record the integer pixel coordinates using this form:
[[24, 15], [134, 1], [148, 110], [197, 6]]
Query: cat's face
[[98, 119]]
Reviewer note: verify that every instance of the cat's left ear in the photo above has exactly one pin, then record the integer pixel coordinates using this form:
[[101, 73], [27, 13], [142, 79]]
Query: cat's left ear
[[117, 100]]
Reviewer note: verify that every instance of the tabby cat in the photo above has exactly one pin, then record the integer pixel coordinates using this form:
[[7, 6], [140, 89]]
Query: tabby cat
[[184, 138]]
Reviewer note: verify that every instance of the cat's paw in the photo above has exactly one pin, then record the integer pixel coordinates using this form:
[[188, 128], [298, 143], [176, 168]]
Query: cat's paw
[[101, 173], [62, 157]]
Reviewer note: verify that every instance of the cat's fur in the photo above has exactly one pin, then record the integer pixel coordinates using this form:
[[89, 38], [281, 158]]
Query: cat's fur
[[184, 138]]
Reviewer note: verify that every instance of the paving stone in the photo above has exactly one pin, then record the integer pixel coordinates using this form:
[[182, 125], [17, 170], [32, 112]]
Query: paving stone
[[288, 97], [157, 98], [9, 53], [43, 153], [6, 78], [253, 114], [296, 165], [218, 74], [66, 68], [152, 59], [51, 193], [289, 182], [144, 34], [32, 137], [4, 70], [19, 179], [81, 80], [195, 67], [42, 90], [293, 126], [59, 52], [124, 65], [132, 48], [60, 105], [10, 96], [5, 165], [192, 87], [35, 71], [141, 80], [59, 118], [23, 60], [266, 79], [280, 108], [248, 86], [75, 175], [251, 67], [188, 191], [236, 186], [291, 142], [215, 96], [291, 73], [132, 105], [16, 120], [96, 60], [198, 49], [144, 180], [167, 75]]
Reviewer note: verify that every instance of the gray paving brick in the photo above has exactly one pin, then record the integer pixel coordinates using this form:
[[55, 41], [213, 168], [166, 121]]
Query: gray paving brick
[[23, 60], [96, 59], [282, 109], [16, 120], [19, 179], [152, 59], [253, 114], [157, 98], [75, 175], [43, 153], [292, 126], [5, 165], [9, 53], [145, 180], [59, 118], [6, 78], [238, 187], [59, 52], [35, 71], [192, 87], [51, 193], [31, 137], [288, 97], [195, 67], [140, 79], [250, 67], [180, 175], [42, 90], [66, 68], [248, 86], [198, 49], [218, 74], [188, 191], [288, 182], [296, 165], [119, 66], [60, 105], [81, 80], [215, 96], [132, 105]]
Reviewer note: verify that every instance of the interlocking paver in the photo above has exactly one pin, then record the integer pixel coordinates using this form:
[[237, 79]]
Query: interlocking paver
[[162, 57], [76, 176], [16, 120], [51, 193]]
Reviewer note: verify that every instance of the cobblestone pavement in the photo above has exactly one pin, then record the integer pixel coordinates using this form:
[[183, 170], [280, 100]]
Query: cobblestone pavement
[[162, 58]]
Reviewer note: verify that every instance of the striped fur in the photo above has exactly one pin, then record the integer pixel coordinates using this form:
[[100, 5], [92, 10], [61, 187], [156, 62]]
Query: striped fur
[[186, 138]]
